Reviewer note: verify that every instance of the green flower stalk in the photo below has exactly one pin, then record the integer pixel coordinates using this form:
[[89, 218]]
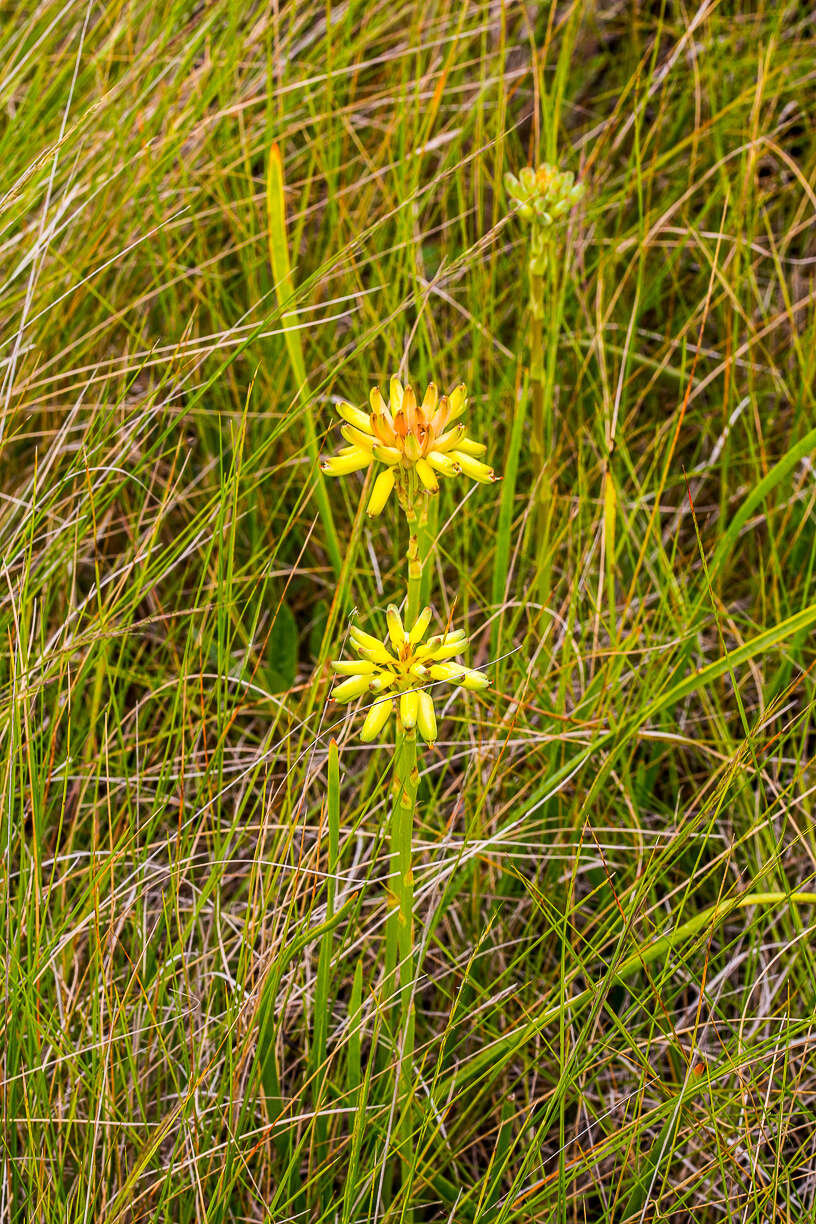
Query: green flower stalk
[[542, 198]]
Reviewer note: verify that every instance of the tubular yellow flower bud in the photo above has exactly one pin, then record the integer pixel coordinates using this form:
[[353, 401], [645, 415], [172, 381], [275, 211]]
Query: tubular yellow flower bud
[[447, 671], [441, 463], [382, 682], [426, 474], [376, 401], [396, 632], [449, 651], [387, 454], [417, 631], [468, 447], [375, 720], [412, 447], [457, 402], [395, 393], [371, 648], [342, 465], [377, 654], [426, 717], [363, 441], [344, 667], [354, 416], [361, 638], [381, 492], [429, 400], [544, 194], [473, 468], [409, 706], [347, 690], [474, 680], [452, 438]]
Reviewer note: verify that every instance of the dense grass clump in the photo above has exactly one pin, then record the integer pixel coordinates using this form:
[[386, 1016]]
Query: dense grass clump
[[603, 1034]]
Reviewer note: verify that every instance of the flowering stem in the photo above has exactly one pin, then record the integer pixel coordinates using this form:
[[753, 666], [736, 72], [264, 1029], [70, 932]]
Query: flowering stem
[[406, 777], [399, 952], [417, 554]]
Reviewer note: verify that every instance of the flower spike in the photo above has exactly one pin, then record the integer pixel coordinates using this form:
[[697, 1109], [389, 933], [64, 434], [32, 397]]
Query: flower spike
[[399, 668], [543, 195], [416, 441]]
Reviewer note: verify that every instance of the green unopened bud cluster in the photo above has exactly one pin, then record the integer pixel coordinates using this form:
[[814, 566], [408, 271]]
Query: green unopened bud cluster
[[543, 195]]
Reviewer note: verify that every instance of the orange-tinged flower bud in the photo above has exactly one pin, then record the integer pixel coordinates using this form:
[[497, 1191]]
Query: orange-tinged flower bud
[[409, 408], [377, 402], [417, 441], [383, 429], [429, 401]]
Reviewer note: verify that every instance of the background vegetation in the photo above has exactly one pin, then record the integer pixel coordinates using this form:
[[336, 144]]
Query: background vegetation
[[169, 605]]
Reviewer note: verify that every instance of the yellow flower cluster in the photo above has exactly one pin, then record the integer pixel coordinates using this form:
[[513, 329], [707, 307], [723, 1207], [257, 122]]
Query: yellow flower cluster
[[398, 668], [417, 442]]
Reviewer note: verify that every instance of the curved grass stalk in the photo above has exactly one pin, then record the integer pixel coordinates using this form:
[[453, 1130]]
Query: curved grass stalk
[[498, 1051]]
